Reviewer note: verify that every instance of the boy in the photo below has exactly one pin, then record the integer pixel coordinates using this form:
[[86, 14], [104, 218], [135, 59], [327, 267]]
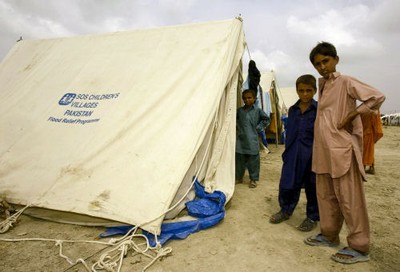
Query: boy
[[297, 157], [250, 120], [337, 156]]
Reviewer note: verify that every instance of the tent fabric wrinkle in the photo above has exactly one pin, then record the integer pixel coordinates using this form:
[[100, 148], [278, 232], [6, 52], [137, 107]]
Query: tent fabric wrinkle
[[116, 125]]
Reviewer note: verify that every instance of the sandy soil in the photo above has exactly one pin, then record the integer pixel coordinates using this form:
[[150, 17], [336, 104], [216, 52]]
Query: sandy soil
[[245, 240]]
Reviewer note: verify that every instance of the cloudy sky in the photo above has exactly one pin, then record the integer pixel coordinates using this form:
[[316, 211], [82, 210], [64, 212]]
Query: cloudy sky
[[279, 33]]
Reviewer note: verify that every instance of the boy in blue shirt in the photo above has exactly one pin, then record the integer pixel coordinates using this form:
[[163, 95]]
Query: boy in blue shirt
[[250, 121], [297, 157]]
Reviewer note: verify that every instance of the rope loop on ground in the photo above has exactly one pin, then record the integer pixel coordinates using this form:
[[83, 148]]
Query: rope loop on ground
[[112, 259]]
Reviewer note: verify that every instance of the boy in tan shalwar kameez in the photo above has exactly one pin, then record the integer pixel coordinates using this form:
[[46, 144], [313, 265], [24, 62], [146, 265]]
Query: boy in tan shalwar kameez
[[337, 156]]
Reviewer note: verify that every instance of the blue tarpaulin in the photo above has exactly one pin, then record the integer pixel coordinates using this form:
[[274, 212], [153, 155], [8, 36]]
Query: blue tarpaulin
[[207, 208]]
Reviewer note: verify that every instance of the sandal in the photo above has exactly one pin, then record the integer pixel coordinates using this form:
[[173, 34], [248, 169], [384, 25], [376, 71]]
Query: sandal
[[279, 217], [319, 240], [307, 225], [349, 256], [253, 184], [370, 171], [237, 181]]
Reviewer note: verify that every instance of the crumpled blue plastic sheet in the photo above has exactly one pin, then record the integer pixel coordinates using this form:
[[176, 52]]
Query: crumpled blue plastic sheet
[[207, 208], [117, 230]]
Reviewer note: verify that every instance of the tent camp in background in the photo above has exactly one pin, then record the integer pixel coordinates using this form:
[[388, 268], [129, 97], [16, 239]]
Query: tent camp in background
[[276, 103], [118, 126], [392, 119]]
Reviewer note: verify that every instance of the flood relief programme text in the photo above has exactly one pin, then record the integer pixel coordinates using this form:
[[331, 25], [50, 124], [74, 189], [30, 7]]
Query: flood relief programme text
[[80, 108]]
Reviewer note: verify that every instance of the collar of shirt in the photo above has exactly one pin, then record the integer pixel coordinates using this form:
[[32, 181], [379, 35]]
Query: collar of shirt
[[250, 108], [322, 81], [332, 76], [314, 103]]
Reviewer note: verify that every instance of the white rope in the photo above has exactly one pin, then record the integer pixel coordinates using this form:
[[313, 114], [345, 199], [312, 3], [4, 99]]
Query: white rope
[[240, 18], [10, 221], [59, 243], [80, 260], [248, 50], [113, 258]]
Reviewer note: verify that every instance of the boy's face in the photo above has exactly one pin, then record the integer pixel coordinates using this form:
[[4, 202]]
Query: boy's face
[[325, 65], [305, 92], [248, 99]]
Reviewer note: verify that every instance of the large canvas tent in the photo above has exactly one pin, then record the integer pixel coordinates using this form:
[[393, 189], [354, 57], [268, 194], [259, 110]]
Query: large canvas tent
[[116, 125]]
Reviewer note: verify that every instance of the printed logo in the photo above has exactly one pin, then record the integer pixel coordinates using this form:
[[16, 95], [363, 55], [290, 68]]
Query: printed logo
[[67, 99]]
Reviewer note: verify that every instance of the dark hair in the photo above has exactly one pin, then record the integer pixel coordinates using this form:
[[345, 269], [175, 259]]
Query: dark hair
[[249, 91], [323, 48], [307, 79]]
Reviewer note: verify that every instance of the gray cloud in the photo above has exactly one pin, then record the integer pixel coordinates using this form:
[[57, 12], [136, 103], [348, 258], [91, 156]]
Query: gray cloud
[[279, 34]]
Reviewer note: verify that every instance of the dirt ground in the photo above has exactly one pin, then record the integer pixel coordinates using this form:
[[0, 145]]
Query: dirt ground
[[244, 240]]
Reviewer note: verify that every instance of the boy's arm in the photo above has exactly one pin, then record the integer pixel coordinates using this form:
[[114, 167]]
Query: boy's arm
[[370, 97], [372, 100], [264, 121], [347, 122]]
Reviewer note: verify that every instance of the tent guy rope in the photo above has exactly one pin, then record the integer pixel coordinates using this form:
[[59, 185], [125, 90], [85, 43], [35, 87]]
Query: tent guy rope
[[11, 220]]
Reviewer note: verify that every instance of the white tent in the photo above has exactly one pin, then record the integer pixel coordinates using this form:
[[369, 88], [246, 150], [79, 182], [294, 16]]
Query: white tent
[[276, 101], [392, 119], [288, 97], [116, 125]]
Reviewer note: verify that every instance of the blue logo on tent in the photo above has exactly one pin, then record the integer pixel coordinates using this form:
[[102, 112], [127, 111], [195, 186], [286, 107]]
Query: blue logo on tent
[[67, 99]]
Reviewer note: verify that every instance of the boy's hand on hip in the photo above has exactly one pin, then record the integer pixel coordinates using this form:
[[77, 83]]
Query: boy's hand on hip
[[347, 122]]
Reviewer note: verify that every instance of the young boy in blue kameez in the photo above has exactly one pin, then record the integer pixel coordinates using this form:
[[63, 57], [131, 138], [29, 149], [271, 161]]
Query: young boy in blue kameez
[[297, 157], [250, 121]]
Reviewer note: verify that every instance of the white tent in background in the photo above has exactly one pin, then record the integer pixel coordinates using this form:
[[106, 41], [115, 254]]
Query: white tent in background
[[116, 125], [392, 119], [288, 97], [275, 100]]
